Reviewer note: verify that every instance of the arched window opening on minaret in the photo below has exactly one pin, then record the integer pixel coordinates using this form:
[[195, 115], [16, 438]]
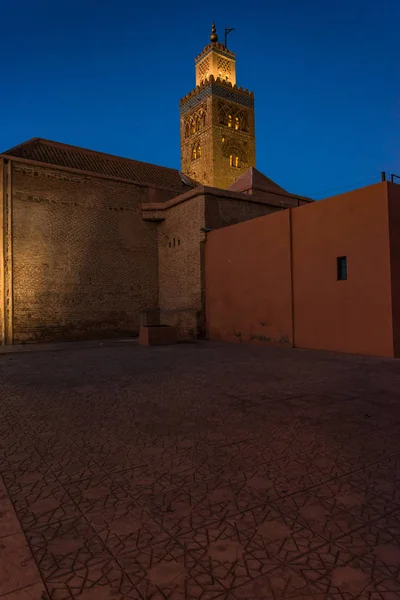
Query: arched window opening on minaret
[[187, 130], [196, 152], [230, 121], [237, 123], [234, 161]]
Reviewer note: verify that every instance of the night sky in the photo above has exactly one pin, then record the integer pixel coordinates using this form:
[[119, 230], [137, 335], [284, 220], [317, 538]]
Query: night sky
[[109, 75]]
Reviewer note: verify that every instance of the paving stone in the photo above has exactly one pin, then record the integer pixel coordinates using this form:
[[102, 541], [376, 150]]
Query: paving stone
[[205, 471]]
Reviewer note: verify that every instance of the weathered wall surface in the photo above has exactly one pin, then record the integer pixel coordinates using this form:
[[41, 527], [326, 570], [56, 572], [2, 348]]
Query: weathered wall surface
[[249, 271], [201, 169], [221, 211], [394, 230], [2, 266], [179, 259], [227, 141], [181, 255], [84, 261], [216, 140], [355, 315], [248, 283], [6, 258]]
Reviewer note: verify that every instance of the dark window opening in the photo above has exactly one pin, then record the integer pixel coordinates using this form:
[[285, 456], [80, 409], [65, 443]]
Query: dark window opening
[[174, 242], [342, 268], [179, 242], [169, 244]]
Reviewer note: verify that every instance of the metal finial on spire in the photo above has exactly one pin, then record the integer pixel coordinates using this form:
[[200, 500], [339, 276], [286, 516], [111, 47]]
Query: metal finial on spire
[[213, 36], [227, 32]]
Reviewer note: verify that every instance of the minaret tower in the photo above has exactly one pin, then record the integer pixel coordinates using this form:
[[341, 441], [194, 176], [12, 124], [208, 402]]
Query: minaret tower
[[217, 120]]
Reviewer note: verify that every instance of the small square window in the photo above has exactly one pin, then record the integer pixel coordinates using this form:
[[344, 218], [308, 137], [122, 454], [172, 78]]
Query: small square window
[[341, 268]]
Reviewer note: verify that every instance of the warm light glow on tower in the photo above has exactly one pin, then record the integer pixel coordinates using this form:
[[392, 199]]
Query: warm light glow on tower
[[217, 120], [215, 60]]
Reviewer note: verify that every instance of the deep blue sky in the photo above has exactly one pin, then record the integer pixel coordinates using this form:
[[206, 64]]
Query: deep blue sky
[[109, 75]]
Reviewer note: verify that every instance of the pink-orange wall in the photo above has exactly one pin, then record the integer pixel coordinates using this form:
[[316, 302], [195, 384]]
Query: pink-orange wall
[[248, 281], [345, 316], [394, 228], [274, 279]]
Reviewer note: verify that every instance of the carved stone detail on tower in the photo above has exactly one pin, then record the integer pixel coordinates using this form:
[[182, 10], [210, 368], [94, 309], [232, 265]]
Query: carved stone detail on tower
[[232, 116], [195, 121], [217, 121], [204, 68]]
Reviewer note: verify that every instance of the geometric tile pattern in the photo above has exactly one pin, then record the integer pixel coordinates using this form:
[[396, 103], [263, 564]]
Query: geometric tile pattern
[[203, 471], [222, 91]]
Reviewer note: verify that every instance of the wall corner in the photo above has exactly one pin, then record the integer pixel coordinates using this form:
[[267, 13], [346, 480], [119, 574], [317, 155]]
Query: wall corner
[[6, 257]]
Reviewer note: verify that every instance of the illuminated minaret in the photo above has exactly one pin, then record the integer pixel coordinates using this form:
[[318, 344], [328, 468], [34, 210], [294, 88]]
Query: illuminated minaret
[[217, 120]]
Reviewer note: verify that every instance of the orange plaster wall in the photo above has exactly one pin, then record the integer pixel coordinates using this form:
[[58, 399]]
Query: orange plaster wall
[[394, 228], [248, 276], [351, 316], [248, 281]]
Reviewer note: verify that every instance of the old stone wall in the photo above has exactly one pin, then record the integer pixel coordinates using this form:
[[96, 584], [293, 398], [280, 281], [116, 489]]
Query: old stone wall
[[200, 168], [181, 247], [206, 148], [180, 239], [84, 261], [222, 211], [227, 141]]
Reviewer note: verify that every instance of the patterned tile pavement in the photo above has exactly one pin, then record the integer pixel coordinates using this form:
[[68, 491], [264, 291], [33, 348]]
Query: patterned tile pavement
[[203, 471]]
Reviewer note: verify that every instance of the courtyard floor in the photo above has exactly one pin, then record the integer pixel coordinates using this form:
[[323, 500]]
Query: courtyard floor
[[203, 471]]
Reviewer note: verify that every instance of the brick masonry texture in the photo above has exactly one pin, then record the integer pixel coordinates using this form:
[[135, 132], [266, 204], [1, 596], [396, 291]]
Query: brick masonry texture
[[86, 256], [180, 273], [204, 471], [220, 212], [181, 247], [81, 256], [84, 261], [217, 142]]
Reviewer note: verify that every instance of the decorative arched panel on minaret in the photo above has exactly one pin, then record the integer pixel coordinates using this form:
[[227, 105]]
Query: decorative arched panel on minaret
[[217, 120]]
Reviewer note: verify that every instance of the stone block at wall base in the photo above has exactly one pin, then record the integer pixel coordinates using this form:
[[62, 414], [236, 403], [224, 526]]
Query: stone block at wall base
[[185, 322], [157, 335]]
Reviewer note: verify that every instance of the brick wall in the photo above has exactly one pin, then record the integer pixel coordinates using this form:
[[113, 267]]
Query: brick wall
[[217, 142], [181, 255], [221, 211], [201, 169], [180, 273], [84, 261], [225, 139]]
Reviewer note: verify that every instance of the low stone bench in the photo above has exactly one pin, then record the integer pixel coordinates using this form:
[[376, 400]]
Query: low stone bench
[[152, 332], [157, 335]]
